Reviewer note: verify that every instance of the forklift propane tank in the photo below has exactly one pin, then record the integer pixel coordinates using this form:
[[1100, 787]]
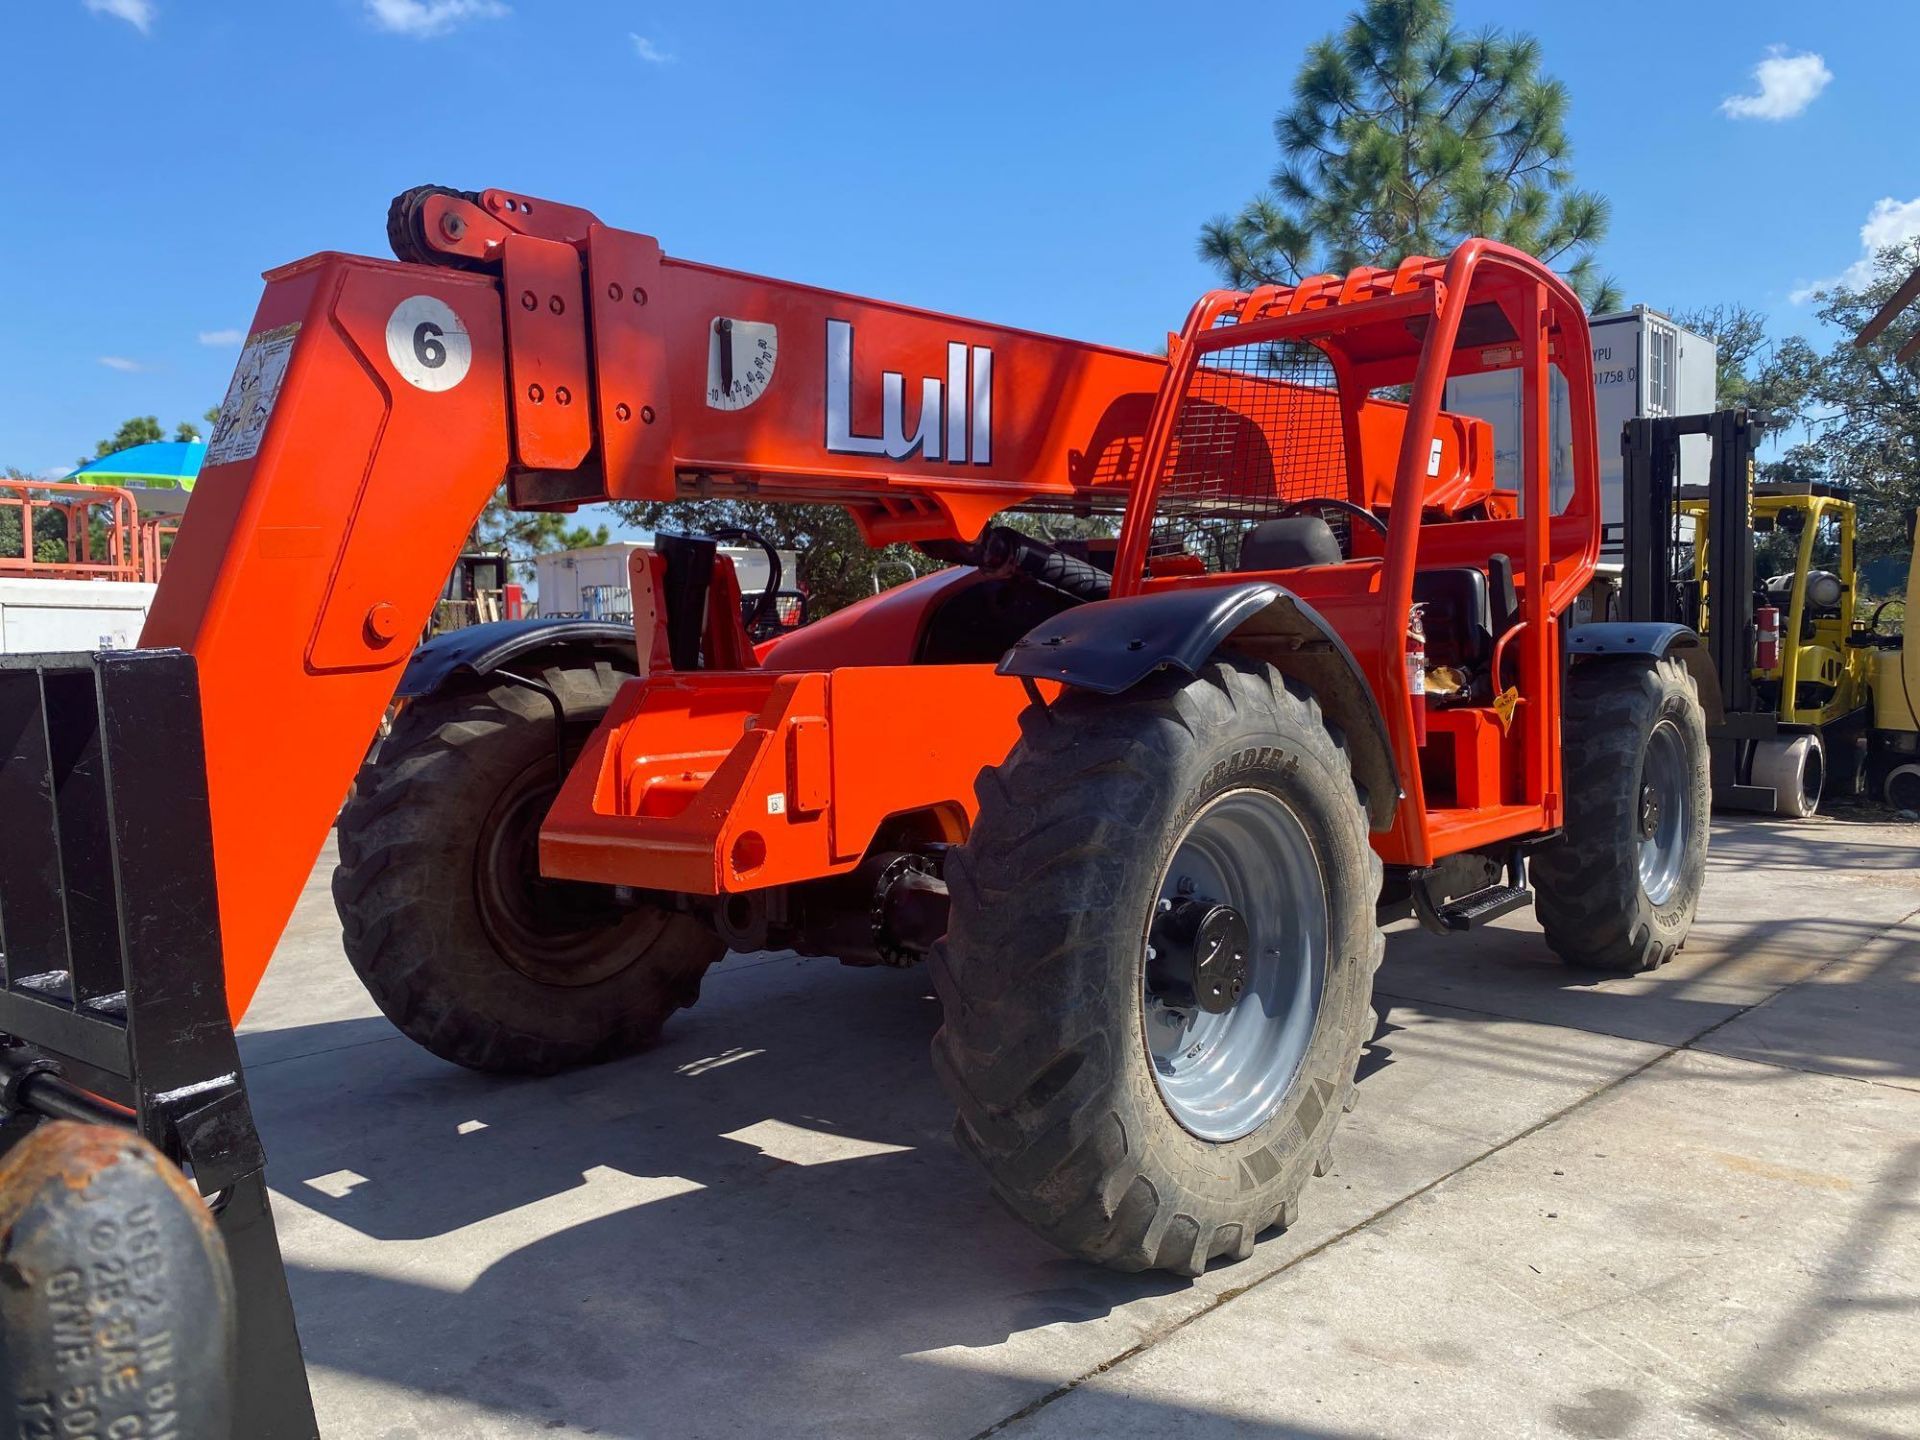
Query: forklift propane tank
[[1824, 590], [1766, 624]]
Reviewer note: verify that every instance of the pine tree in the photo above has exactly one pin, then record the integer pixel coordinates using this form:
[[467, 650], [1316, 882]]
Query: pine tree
[[1406, 136]]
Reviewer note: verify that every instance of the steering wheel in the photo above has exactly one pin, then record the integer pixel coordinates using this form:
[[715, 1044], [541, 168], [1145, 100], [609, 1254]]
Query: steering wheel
[[1345, 507], [765, 611], [1873, 623]]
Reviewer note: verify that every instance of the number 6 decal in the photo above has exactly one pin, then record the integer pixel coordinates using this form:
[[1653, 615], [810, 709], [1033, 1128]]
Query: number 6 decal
[[427, 343], [427, 348]]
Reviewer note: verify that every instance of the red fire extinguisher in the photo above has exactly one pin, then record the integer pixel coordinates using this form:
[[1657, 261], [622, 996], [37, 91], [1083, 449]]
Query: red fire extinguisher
[[1417, 672], [1766, 620]]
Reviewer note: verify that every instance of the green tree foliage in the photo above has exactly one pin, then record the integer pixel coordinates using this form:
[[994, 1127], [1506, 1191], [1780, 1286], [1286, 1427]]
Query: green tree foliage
[[187, 430], [1751, 372], [143, 430], [522, 534], [1862, 405], [139, 430], [1405, 136]]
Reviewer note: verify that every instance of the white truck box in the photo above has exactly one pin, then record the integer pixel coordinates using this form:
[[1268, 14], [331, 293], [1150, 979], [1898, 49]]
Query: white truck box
[[37, 615], [593, 580]]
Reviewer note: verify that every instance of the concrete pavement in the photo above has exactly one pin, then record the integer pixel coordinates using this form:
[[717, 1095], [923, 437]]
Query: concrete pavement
[[1687, 1204]]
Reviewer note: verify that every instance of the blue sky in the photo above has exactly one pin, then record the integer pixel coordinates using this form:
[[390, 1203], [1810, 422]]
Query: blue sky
[[1045, 165]]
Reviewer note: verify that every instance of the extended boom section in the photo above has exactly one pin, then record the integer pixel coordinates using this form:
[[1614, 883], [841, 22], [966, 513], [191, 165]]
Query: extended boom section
[[378, 405]]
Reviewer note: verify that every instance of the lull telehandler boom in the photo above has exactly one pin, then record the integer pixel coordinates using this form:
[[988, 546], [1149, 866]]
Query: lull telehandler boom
[[1143, 808], [378, 405]]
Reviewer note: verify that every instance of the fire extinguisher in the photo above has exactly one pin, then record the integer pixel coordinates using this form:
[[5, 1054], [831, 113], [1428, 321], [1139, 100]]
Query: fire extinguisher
[[1417, 672], [1767, 651]]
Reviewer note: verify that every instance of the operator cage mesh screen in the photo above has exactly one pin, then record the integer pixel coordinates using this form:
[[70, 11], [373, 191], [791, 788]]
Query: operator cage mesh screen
[[1258, 429]]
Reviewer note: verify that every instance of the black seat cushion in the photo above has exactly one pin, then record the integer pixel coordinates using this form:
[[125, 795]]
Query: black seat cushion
[[1289, 542], [1458, 617]]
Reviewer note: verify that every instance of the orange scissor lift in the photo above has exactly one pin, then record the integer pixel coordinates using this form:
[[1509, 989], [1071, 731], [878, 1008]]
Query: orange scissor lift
[[104, 537]]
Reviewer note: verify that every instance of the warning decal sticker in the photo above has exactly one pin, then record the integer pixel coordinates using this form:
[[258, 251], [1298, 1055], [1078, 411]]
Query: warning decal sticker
[[249, 403]]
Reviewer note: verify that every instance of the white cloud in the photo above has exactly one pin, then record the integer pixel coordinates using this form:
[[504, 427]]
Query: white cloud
[[1890, 222], [224, 339], [424, 18], [122, 364], [137, 13], [648, 51], [1787, 84]]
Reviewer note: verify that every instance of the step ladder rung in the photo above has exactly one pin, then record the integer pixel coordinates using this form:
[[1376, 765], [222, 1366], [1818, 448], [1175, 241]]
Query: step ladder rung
[[1471, 911]]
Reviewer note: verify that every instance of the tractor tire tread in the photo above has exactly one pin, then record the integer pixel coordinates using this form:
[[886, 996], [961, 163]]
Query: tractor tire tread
[[404, 891], [1588, 894], [1035, 1080]]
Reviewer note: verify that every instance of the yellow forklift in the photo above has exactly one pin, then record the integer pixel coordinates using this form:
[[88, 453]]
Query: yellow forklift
[[1893, 755], [1818, 697]]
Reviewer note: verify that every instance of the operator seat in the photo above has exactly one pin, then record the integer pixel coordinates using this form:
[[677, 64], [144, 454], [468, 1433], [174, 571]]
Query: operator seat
[[1288, 543], [1458, 617]]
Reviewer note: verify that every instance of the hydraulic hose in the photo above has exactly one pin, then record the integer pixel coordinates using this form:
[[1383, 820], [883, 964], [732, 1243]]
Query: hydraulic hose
[[1004, 549]]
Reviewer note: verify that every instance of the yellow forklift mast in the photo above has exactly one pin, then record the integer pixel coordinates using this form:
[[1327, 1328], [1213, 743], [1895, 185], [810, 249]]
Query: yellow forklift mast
[[1795, 681]]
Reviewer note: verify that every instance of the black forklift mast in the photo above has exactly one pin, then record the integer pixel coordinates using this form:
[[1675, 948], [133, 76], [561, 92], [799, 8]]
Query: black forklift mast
[[1658, 581], [142, 1290]]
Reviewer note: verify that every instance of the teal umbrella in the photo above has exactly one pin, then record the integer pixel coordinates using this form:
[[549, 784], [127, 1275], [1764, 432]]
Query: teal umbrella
[[161, 464]]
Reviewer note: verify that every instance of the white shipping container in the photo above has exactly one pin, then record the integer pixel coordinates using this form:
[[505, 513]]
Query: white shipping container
[[570, 580], [1643, 365], [592, 581]]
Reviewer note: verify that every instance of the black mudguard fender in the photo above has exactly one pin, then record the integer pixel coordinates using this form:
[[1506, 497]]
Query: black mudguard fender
[[1109, 646], [1618, 640], [482, 649]]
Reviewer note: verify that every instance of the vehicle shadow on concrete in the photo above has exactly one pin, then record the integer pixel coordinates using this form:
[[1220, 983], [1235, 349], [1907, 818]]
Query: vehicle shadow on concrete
[[1805, 994], [1857, 843], [1851, 1282], [1774, 944], [731, 1231]]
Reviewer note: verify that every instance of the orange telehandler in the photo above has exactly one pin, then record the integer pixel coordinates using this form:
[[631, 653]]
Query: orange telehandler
[[1144, 807]]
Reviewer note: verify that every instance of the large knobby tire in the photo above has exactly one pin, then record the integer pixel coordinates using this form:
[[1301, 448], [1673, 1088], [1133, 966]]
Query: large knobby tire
[[1618, 890], [1051, 1020], [448, 924]]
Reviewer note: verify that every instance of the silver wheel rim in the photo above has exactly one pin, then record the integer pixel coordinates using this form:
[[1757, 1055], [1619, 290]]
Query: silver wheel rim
[[1665, 811], [1223, 1075]]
